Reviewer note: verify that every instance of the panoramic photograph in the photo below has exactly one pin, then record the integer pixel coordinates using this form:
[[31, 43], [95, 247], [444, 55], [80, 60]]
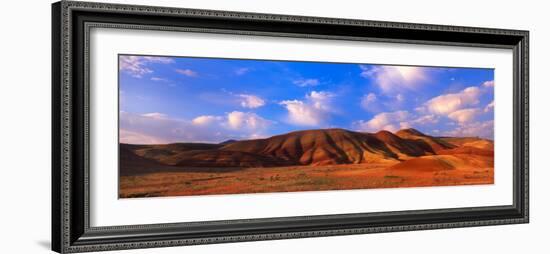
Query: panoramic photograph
[[210, 126]]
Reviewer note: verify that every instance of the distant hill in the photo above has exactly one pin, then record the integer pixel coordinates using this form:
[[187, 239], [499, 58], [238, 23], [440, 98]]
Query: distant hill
[[309, 147], [470, 142], [436, 144], [439, 162], [230, 141], [131, 163]]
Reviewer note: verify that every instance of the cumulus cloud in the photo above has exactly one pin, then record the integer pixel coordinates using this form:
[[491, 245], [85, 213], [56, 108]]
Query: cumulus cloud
[[320, 100], [448, 103], [390, 121], [426, 119], [368, 102], [393, 79], [237, 120], [489, 107], [375, 103], [463, 116], [300, 113], [187, 72], [313, 111], [155, 128], [462, 107], [306, 82], [137, 66], [489, 83], [250, 101], [394, 121]]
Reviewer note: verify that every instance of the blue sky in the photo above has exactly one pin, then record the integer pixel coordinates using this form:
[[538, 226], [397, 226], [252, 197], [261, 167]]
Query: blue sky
[[182, 99]]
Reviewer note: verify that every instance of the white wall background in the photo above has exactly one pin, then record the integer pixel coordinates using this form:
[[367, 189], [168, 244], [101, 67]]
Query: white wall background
[[25, 125]]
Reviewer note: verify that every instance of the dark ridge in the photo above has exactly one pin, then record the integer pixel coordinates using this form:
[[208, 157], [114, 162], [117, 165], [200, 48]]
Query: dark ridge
[[229, 141]]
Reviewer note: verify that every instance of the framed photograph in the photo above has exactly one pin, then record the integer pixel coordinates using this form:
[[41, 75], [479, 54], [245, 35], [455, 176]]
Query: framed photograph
[[181, 126]]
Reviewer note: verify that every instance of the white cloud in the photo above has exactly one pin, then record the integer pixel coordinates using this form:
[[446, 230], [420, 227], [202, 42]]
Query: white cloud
[[462, 107], [375, 103], [242, 71], [426, 119], [159, 79], [206, 120], [421, 109], [320, 100], [187, 72], [137, 66], [155, 128], [249, 121], [300, 113], [313, 111], [489, 107], [403, 125], [306, 82], [390, 121], [250, 101], [490, 83], [394, 121], [448, 103], [368, 102], [155, 115], [463, 116], [393, 79]]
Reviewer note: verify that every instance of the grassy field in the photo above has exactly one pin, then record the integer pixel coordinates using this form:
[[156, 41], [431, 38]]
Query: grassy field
[[297, 178]]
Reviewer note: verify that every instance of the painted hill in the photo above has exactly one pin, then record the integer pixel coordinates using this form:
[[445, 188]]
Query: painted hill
[[333, 146], [470, 142], [436, 144], [309, 147], [442, 162]]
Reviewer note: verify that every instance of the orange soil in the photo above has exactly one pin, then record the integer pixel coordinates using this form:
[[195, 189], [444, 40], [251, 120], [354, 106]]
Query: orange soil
[[434, 170]]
